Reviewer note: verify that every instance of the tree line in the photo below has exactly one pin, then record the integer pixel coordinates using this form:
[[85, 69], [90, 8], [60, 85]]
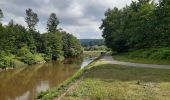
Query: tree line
[[142, 24], [26, 45], [93, 44]]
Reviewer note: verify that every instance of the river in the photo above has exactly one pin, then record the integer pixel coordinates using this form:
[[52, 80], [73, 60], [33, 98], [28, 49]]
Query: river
[[26, 82]]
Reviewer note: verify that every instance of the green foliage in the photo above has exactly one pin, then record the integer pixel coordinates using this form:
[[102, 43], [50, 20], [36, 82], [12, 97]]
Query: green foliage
[[153, 53], [71, 45], [95, 48], [8, 60], [91, 42], [53, 44], [143, 24], [27, 57], [149, 55], [30, 47]]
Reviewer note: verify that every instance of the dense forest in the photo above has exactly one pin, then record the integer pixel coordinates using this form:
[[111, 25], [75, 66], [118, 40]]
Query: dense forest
[[21, 46], [142, 24]]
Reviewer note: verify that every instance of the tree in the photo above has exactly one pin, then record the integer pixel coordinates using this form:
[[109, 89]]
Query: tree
[[162, 22], [52, 23], [31, 19], [53, 44], [1, 14], [71, 45], [143, 24]]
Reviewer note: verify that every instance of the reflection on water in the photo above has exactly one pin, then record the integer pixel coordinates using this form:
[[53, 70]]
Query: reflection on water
[[24, 96], [44, 85], [25, 83], [86, 61]]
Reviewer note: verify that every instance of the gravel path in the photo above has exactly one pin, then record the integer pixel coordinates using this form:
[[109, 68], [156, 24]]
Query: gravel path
[[111, 60]]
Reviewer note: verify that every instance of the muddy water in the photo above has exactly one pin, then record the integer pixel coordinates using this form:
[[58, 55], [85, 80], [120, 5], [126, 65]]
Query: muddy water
[[25, 83]]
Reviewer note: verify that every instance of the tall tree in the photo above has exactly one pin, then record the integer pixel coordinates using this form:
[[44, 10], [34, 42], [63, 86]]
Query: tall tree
[[1, 14], [133, 27], [31, 19], [52, 23]]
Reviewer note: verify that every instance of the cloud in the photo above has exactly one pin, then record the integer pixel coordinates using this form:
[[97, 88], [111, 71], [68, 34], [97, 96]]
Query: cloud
[[82, 18]]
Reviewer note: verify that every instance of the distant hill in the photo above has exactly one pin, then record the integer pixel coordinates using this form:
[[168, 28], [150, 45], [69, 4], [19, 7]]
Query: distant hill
[[91, 42]]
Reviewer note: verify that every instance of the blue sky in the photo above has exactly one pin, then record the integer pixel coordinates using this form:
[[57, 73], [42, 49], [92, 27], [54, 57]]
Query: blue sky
[[82, 18]]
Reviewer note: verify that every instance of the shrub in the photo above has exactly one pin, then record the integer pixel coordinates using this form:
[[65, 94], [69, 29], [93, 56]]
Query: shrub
[[27, 57], [152, 53], [6, 60]]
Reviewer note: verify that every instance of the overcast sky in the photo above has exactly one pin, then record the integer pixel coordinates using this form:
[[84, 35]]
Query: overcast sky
[[79, 17]]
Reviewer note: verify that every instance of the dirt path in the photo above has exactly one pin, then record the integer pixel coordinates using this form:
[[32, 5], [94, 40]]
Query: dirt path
[[112, 61], [68, 90]]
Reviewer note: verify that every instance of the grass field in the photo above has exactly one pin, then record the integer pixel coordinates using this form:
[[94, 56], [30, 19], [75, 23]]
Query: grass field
[[115, 82]]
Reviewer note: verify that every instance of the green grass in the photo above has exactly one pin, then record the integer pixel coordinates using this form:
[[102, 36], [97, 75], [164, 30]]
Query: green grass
[[114, 82], [149, 56]]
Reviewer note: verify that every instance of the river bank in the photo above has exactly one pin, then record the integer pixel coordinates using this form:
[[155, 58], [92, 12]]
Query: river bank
[[105, 80], [57, 91]]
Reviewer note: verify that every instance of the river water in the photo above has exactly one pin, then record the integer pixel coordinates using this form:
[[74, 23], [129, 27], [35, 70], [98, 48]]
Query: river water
[[25, 83]]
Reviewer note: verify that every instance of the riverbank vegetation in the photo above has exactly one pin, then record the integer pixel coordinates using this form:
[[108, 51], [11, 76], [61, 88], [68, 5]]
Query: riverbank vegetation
[[20, 45], [143, 24], [152, 56]]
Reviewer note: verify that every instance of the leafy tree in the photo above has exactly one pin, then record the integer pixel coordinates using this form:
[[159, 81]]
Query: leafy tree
[[52, 23], [53, 44], [71, 45], [162, 22], [31, 19]]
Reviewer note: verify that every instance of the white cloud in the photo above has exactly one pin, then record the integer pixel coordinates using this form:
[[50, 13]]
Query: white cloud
[[79, 17]]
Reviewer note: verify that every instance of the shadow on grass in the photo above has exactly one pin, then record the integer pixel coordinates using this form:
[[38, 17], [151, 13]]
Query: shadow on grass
[[110, 73]]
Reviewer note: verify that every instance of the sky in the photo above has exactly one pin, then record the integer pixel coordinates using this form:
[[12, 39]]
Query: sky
[[82, 18]]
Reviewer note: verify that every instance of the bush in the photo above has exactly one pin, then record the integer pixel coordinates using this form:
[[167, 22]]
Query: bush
[[6, 60], [27, 57], [152, 53], [163, 54]]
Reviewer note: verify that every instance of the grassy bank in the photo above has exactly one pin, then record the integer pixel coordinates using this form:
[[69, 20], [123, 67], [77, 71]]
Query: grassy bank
[[57, 91], [114, 82], [150, 56]]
